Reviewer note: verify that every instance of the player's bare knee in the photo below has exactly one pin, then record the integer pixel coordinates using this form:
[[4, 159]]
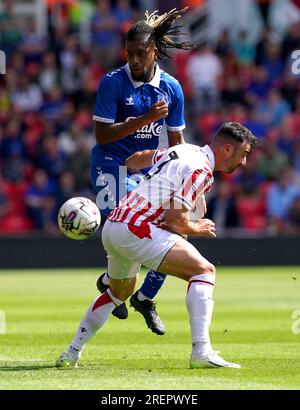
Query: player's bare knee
[[210, 269], [203, 267]]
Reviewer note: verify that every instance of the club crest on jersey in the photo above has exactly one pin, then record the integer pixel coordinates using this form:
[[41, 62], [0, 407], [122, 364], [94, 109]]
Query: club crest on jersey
[[129, 100]]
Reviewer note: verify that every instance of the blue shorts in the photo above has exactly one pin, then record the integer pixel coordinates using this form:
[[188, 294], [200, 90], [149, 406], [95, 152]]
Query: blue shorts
[[111, 183]]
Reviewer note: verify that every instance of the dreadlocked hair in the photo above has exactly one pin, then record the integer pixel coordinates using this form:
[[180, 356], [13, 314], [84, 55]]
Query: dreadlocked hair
[[160, 30]]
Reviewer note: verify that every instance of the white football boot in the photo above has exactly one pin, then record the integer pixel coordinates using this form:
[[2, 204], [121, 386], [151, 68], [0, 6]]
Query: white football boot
[[65, 361], [210, 360]]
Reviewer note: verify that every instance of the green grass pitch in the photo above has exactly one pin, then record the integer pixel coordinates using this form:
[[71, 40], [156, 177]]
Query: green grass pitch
[[252, 325]]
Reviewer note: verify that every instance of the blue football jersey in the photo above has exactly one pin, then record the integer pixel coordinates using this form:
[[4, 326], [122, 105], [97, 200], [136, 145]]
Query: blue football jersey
[[120, 98]]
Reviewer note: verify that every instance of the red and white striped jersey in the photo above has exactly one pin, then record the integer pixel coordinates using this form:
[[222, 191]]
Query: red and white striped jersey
[[199, 209], [182, 173]]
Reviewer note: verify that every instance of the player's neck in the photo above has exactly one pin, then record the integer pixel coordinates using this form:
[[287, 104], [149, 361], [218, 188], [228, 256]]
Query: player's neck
[[149, 77], [216, 156]]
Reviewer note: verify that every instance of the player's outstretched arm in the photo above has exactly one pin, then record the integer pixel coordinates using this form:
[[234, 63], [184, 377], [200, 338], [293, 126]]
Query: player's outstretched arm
[[177, 218], [140, 160], [107, 133]]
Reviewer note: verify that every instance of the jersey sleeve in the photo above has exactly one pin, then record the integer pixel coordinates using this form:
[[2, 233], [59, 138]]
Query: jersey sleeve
[[106, 101], [175, 119], [193, 185], [158, 154]]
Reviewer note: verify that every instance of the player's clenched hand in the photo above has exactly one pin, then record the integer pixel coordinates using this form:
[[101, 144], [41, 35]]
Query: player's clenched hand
[[157, 111], [206, 227]]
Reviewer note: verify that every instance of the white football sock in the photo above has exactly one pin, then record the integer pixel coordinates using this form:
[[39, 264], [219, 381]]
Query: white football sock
[[142, 297], [95, 317], [200, 307]]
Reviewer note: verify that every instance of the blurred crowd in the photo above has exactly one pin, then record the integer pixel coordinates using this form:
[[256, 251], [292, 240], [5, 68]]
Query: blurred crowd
[[48, 93]]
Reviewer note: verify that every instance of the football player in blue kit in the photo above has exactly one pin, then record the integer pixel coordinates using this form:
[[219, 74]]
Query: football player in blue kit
[[132, 104]]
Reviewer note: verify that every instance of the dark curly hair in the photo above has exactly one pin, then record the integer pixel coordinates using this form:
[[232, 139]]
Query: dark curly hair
[[160, 30], [235, 132]]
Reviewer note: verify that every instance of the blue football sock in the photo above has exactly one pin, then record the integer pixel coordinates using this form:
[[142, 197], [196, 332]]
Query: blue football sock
[[152, 283]]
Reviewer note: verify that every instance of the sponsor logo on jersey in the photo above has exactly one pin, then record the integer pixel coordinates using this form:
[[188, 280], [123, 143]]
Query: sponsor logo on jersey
[[148, 131]]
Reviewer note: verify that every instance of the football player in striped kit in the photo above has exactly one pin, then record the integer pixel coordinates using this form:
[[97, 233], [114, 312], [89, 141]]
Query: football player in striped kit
[[147, 228]]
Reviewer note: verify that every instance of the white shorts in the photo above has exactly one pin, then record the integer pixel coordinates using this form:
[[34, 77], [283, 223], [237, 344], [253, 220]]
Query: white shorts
[[126, 252]]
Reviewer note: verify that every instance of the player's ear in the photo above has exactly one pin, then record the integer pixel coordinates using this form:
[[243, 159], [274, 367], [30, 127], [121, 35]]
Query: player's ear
[[228, 149], [155, 50]]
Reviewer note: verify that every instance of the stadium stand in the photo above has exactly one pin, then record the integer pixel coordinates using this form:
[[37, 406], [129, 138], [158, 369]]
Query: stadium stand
[[48, 93]]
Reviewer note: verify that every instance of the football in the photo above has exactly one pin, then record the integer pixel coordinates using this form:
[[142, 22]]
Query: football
[[79, 218]]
